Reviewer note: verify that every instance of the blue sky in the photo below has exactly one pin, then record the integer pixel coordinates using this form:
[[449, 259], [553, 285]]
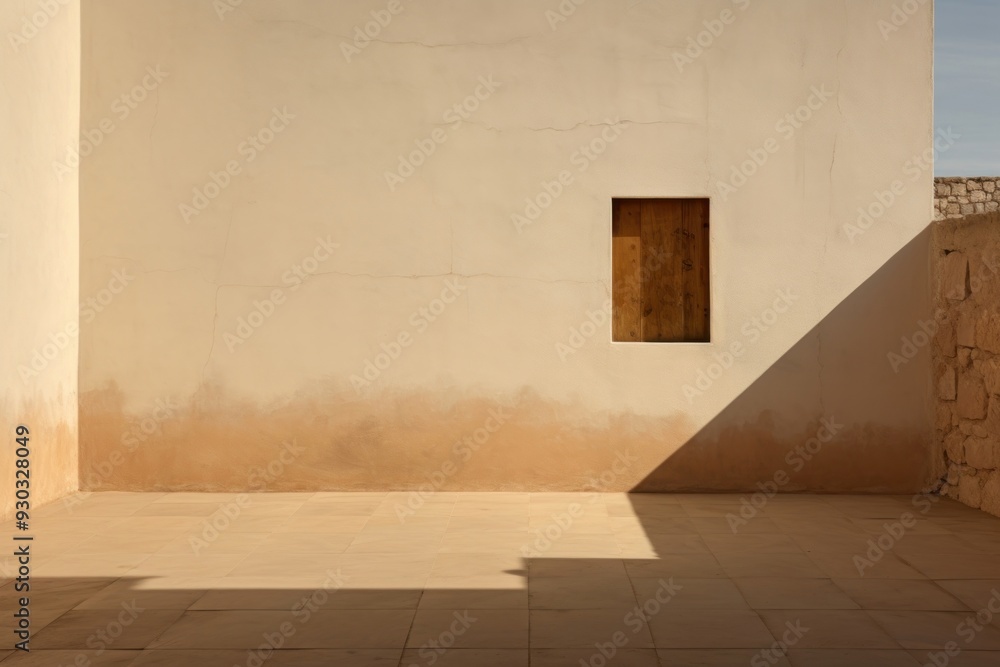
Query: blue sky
[[967, 85]]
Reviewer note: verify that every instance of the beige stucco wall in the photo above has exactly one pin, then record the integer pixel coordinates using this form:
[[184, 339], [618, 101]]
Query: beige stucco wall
[[249, 174], [39, 245]]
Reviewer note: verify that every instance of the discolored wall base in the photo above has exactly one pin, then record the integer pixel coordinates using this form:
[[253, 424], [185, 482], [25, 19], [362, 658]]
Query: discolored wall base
[[52, 445], [440, 441]]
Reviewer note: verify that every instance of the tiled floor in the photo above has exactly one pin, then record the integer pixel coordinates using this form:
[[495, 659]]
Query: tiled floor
[[484, 580]]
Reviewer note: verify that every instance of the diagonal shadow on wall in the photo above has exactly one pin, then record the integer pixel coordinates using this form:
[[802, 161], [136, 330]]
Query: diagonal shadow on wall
[[575, 602], [838, 381]]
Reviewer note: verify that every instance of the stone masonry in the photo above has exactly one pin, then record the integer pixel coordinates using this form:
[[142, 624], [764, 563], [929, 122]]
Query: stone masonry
[[955, 197], [967, 354]]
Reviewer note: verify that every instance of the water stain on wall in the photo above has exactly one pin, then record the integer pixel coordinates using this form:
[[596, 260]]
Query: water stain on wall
[[51, 444], [449, 442]]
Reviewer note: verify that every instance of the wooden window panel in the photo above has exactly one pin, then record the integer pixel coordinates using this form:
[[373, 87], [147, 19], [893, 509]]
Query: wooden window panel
[[660, 270]]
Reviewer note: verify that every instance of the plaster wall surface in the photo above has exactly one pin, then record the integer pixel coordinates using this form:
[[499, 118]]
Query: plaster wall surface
[[39, 246], [380, 261]]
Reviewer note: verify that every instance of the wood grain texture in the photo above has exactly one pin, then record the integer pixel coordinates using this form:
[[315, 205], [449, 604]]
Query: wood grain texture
[[626, 270], [660, 270], [696, 270], [662, 284]]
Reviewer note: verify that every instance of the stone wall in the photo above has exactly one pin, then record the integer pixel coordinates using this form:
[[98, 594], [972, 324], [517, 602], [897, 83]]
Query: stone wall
[[957, 196], [967, 356]]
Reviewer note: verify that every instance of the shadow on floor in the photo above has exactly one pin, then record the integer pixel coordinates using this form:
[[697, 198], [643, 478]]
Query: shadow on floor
[[832, 580]]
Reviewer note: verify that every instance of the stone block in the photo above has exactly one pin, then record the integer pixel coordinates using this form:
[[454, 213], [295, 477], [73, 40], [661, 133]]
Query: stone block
[[989, 186], [988, 331], [943, 416], [965, 335], [970, 490], [959, 189], [942, 189], [972, 398], [984, 281], [947, 383], [989, 500], [990, 370], [954, 283], [977, 197], [974, 186], [981, 453], [968, 209], [944, 338], [954, 448], [992, 421]]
